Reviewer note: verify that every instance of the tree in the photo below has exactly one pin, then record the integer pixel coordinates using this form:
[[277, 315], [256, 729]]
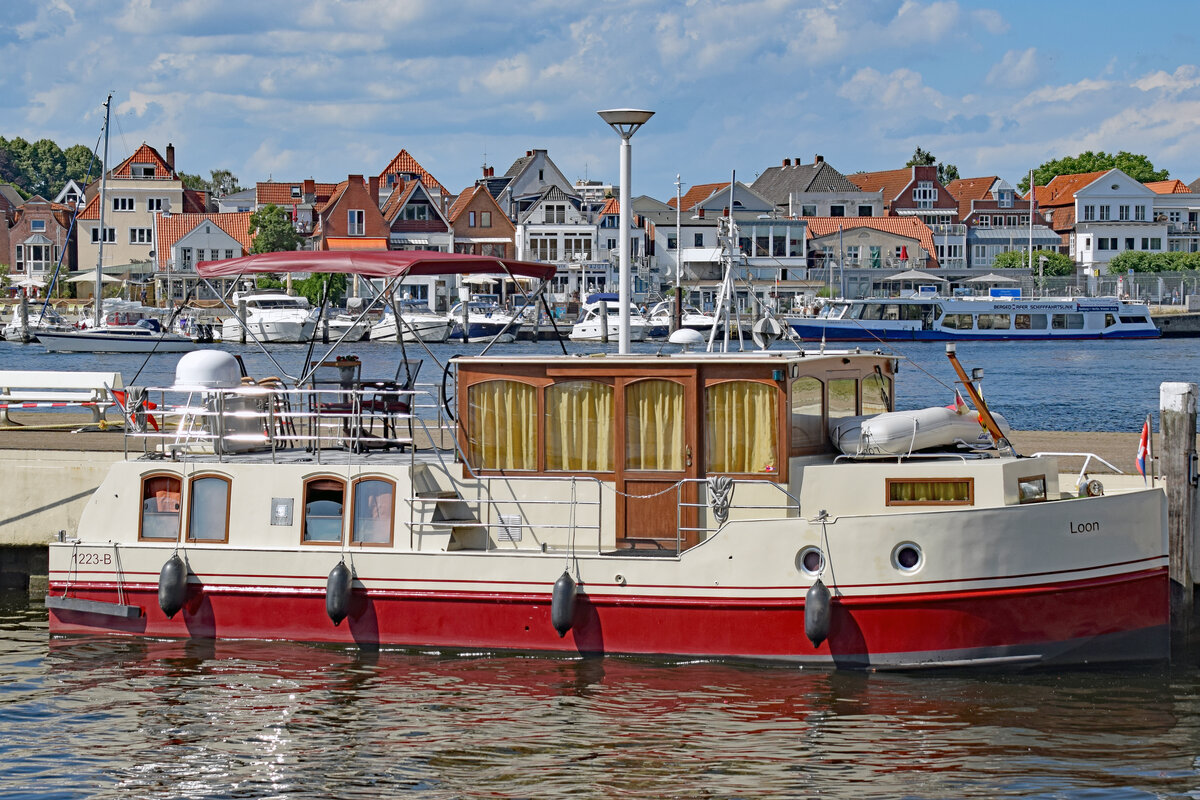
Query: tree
[[194, 182], [1056, 264], [272, 230], [1139, 261], [223, 182], [48, 168], [924, 158], [312, 286], [1134, 165], [81, 167]]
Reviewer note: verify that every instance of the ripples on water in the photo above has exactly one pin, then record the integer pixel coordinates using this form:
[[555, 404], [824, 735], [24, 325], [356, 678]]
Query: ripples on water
[[113, 717], [1064, 386]]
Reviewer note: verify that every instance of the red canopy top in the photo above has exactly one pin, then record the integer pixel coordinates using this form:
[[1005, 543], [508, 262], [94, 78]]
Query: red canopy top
[[372, 263]]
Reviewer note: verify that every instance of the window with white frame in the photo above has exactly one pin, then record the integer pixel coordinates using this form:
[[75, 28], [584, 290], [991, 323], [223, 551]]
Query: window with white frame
[[485, 219], [554, 212], [577, 248], [1089, 213], [37, 225], [142, 170], [852, 253], [1155, 243], [139, 235], [1105, 213], [356, 222], [229, 254], [808, 210], [980, 253], [470, 219], [1005, 198], [20, 265], [1139, 213], [837, 211], [1024, 220], [154, 204], [110, 235], [983, 221], [1174, 216], [417, 211], [185, 257], [924, 194], [1123, 213], [122, 204]]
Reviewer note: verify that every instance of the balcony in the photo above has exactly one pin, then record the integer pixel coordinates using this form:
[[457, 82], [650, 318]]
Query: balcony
[[1183, 228], [948, 229]]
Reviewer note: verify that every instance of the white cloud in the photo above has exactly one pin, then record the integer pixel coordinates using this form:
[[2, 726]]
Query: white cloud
[[901, 90], [49, 20], [1059, 95], [990, 21], [1016, 68], [1184, 78]]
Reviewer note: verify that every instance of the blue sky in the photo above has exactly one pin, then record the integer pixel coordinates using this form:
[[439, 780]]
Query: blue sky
[[292, 89]]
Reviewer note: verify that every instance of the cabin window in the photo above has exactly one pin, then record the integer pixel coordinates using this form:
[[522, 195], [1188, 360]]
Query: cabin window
[[502, 419], [160, 507], [962, 322], [324, 499], [876, 393], [740, 429], [843, 398], [1109, 320], [579, 426], [1030, 322], [372, 512], [931, 492], [1032, 489], [1067, 322], [808, 413], [994, 322], [208, 509], [654, 420]]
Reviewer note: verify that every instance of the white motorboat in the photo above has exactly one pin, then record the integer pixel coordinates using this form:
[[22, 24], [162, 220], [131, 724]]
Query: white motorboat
[[486, 321], [691, 318], [271, 316], [418, 322], [39, 321], [601, 317]]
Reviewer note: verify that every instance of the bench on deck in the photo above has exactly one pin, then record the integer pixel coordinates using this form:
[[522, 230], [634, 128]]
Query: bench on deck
[[33, 389]]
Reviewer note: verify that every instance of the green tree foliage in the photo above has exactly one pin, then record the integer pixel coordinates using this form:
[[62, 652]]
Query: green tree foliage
[[1057, 264], [312, 286], [268, 282], [42, 167], [924, 158], [194, 182], [1134, 165], [1140, 261], [221, 182], [272, 230]]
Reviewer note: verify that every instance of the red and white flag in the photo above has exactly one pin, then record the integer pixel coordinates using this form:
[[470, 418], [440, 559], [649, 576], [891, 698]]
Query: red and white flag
[[959, 406], [1143, 453]]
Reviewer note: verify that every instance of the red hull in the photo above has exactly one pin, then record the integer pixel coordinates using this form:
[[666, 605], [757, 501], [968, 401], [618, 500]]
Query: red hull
[[1110, 619]]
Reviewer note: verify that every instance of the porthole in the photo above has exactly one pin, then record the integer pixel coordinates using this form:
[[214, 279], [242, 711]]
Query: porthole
[[907, 557], [810, 561]]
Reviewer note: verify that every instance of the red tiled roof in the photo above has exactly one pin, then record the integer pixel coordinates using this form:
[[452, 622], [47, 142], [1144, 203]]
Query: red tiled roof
[[611, 206], [462, 201], [143, 155], [92, 209], [698, 194], [1061, 189], [1168, 187], [964, 190], [1062, 218], [405, 163], [396, 200], [194, 201], [173, 227], [891, 182], [908, 227], [280, 193]]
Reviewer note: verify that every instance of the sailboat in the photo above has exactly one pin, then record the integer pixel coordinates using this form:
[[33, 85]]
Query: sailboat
[[116, 332]]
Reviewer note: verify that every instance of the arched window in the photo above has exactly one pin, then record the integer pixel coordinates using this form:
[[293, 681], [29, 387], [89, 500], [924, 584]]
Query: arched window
[[654, 419], [208, 509], [160, 507], [502, 425], [373, 503], [324, 499], [876, 394], [740, 427], [579, 426]]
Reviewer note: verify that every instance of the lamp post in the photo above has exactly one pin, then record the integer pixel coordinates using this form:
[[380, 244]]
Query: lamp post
[[625, 121]]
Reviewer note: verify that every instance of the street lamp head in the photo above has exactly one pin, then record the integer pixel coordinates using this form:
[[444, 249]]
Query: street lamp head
[[625, 121]]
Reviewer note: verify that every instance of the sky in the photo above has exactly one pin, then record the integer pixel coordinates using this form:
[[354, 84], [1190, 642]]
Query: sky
[[292, 89]]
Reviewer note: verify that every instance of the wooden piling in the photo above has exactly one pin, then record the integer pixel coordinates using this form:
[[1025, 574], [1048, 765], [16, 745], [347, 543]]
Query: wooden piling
[[241, 313], [1177, 443]]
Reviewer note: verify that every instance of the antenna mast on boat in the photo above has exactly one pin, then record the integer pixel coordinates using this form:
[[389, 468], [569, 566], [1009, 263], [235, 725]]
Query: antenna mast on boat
[[97, 312], [1030, 208]]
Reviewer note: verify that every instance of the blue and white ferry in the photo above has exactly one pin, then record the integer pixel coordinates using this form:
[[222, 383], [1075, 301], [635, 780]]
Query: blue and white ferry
[[932, 317]]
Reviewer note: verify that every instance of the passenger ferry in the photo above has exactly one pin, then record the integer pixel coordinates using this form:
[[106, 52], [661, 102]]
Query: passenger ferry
[[689, 505], [955, 318]]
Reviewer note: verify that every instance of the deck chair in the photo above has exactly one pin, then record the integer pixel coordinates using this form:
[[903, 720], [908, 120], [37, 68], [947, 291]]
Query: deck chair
[[393, 398]]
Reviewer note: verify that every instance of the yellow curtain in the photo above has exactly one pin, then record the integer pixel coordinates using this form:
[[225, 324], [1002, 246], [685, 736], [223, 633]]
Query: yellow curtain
[[502, 425], [654, 426], [930, 492], [740, 427], [579, 426]]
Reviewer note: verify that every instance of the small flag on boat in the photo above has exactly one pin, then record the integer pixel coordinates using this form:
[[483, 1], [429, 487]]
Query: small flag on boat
[[959, 406], [1143, 453]]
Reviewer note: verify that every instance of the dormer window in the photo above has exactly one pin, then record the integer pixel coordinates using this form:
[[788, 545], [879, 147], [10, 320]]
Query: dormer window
[[924, 194], [1005, 198], [555, 213], [356, 222], [142, 170], [295, 191]]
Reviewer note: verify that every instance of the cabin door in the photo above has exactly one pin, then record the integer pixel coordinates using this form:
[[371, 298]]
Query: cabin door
[[656, 450]]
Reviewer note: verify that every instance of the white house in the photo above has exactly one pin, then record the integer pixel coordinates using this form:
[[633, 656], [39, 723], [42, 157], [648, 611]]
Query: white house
[[1115, 213]]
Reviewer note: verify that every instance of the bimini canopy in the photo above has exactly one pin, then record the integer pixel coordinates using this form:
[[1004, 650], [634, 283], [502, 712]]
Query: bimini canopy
[[373, 264]]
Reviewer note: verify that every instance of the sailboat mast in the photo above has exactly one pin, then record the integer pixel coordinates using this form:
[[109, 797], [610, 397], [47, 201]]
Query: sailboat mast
[[97, 296]]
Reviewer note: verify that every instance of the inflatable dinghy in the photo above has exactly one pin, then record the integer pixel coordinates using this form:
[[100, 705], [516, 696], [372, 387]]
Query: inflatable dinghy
[[898, 433]]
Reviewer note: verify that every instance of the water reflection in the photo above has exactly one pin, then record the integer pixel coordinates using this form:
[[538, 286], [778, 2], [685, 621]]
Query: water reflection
[[132, 717]]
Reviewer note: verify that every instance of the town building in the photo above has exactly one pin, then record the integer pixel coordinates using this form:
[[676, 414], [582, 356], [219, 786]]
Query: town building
[[184, 240], [39, 236], [998, 221], [916, 192]]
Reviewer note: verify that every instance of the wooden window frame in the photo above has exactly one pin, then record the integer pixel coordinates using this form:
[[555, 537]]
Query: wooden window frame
[[190, 500], [783, 441], [1045, 492], [142, 501], [889, 482], [304, 540], [354, 505]]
